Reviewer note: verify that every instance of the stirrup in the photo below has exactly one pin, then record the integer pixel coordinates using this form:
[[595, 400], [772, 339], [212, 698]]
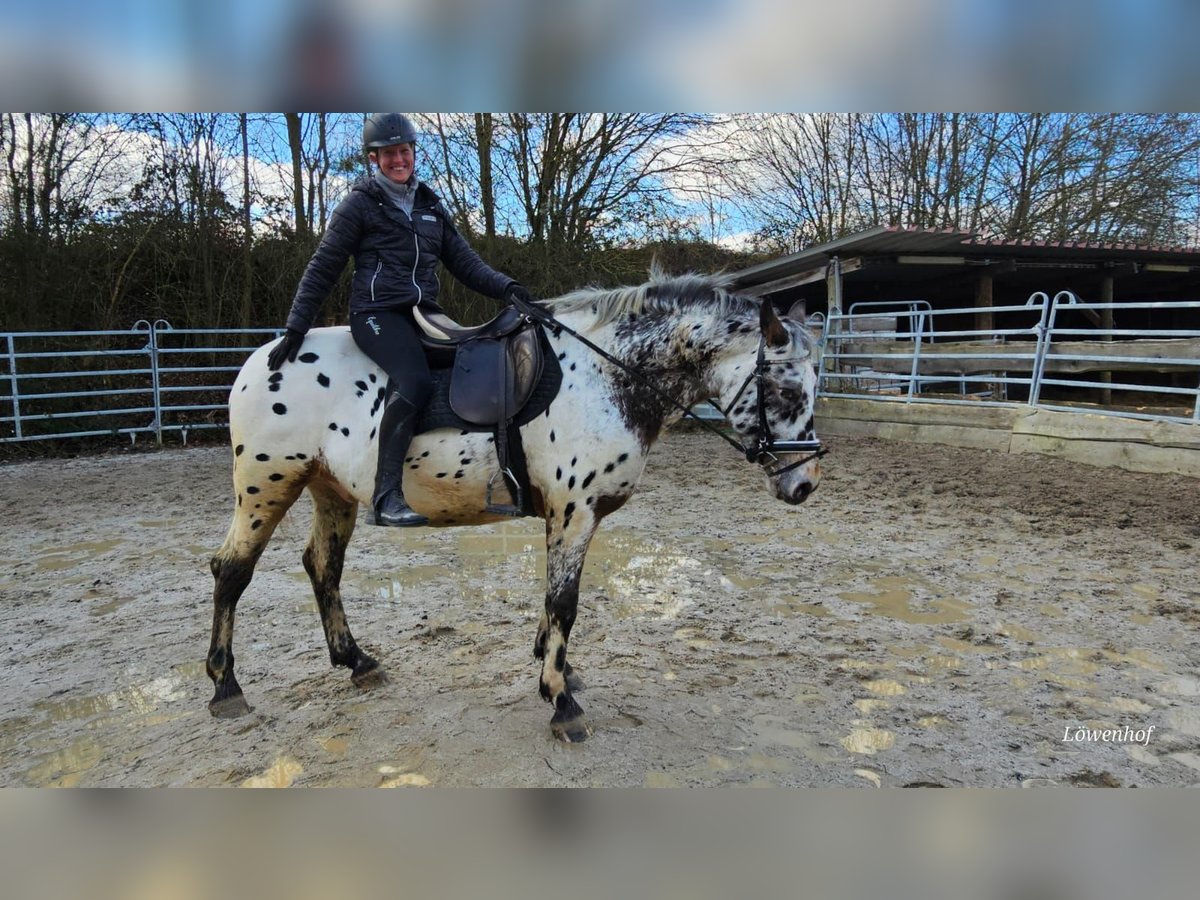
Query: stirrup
[[516, 509]]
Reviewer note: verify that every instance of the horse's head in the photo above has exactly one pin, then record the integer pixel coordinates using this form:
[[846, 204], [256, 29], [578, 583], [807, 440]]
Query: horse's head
[[772, 398]]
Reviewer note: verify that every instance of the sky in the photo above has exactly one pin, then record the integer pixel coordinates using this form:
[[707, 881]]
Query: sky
[[633, 55]]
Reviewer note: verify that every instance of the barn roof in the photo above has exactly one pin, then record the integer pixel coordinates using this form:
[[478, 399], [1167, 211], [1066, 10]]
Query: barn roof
[[892, 244]]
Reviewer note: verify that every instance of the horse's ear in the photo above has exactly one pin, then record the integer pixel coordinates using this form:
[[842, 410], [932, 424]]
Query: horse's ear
[[798, 312], [772, 329]]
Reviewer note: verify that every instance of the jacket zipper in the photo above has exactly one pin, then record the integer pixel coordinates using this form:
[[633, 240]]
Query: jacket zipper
[[378, 268], [417, 247]]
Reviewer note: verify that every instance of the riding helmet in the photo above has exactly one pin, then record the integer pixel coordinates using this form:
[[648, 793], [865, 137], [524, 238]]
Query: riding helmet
[[385, 129]]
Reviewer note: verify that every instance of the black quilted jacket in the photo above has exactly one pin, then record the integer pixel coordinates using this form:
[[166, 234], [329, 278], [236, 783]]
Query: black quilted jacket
[[395, 258]]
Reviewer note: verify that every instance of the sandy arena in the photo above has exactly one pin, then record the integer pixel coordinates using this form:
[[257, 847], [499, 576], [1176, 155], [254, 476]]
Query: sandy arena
[[931, 615]]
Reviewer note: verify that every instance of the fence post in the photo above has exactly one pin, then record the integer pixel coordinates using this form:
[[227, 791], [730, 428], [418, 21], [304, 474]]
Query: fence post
[[1039, 353], [12, 377]]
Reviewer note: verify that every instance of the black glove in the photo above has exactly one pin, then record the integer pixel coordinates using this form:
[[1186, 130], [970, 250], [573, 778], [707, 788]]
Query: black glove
[[288, 347], [517, 291]]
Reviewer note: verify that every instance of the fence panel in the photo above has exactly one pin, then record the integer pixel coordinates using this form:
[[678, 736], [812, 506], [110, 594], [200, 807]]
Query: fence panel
[[1048, 353]]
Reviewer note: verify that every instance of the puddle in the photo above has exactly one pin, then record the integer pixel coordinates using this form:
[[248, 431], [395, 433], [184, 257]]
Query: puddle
[[139, 700], [337, 746], [101, 609], [892, 598], [868, 741], [57, 558], [67, 767], [281, 774], [772, 731]]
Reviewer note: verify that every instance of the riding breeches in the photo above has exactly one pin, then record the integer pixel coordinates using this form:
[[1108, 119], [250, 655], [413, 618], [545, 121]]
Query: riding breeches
[[389, 338]]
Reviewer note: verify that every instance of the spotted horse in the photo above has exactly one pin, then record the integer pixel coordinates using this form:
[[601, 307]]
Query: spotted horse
[[671, 343]]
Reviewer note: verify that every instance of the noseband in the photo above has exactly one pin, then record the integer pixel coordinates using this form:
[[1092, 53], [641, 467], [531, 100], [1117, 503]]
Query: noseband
[[764, 450]]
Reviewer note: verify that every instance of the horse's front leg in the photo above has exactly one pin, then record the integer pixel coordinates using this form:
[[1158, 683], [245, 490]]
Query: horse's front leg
[[567, 537]]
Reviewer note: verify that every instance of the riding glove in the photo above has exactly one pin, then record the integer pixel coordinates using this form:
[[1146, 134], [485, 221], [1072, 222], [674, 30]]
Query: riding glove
[[287, 349], [517, 291]]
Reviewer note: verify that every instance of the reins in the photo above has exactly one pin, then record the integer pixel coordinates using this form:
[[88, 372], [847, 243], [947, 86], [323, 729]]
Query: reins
[[760, 451]]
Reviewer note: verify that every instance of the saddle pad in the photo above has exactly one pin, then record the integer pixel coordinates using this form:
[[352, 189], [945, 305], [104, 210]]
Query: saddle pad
[[438, 414]]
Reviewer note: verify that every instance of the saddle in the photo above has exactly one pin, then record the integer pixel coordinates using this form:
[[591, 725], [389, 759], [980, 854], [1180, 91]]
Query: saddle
[[494, 369], [495, 365]]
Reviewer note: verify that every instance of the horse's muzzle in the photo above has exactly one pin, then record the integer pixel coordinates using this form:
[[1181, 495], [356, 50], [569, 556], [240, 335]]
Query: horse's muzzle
[[796, 486]]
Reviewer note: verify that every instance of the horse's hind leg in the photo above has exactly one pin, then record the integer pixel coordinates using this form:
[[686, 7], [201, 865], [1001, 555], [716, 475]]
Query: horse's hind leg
[[332, 525], [259, 509]]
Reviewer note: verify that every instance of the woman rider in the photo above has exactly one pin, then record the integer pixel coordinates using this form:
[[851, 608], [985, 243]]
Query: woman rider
[[397, 230]]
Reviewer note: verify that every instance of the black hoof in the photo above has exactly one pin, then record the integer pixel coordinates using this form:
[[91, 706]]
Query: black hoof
[[568, 723], [368, 674], [228, 707]]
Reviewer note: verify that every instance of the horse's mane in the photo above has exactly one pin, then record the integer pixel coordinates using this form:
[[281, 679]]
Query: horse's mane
[[663, 293]]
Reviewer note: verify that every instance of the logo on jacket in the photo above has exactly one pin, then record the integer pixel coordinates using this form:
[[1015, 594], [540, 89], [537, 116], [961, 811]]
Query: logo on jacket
[[374, 325]]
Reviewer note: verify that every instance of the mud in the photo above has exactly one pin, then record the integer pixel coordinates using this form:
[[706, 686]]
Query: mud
[[931, 616]]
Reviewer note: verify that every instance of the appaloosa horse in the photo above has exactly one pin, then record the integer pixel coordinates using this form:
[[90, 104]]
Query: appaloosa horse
[[313, 425]]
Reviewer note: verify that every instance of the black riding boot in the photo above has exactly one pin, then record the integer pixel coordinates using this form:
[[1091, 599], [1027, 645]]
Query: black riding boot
[[395, 432]]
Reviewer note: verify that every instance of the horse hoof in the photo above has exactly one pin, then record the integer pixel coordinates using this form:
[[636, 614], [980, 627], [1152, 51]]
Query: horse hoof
[[369, 675], [568, 724], [571, 731], [229, 707]]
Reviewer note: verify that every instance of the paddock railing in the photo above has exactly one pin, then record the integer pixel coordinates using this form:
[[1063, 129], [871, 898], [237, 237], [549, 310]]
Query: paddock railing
[[1138, 359], [150, 380]]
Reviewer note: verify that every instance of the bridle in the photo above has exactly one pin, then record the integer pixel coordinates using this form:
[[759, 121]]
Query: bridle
[[762, 451]]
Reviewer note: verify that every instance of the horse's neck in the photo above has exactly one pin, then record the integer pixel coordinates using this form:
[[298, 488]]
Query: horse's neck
[[686, 357]]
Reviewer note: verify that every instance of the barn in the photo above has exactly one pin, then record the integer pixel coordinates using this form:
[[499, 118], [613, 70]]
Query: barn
[[1083, 349]]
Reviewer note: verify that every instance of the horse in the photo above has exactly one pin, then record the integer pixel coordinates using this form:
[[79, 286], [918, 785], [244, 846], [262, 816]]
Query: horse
[[671, 343]]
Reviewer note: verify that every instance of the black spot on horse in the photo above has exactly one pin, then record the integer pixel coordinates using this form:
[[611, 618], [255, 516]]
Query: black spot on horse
[[571, 483], [560, 658], [301, 456], [279, 409], [574, 459], [239, 499], [552, 436], [289, 457], [609, 468], [322, 379], [275, 376], [558, 474], [262, 457], [308, 357], [371, 436], [361, 385], [572, 367], [442, 474], [425, 454], [459, 474], [257, 523], [252, 490], [622, 458], [273, 388], [562, 355], [237, 451], [588, 479], [276, 476], [465, 462], [346, 431], [568, 512], [333, 426]]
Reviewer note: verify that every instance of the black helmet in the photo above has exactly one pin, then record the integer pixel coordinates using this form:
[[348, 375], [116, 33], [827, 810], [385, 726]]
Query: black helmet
[[385, 129]]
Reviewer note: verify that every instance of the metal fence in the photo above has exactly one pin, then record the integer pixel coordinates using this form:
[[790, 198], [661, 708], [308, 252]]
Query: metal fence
[[1051, 352], [150, 380]]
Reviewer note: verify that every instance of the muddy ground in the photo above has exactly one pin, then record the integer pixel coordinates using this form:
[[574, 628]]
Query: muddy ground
[[931, 616]]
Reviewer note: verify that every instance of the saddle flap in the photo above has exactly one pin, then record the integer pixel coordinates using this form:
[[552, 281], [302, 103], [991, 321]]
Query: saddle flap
[[493, 378]]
